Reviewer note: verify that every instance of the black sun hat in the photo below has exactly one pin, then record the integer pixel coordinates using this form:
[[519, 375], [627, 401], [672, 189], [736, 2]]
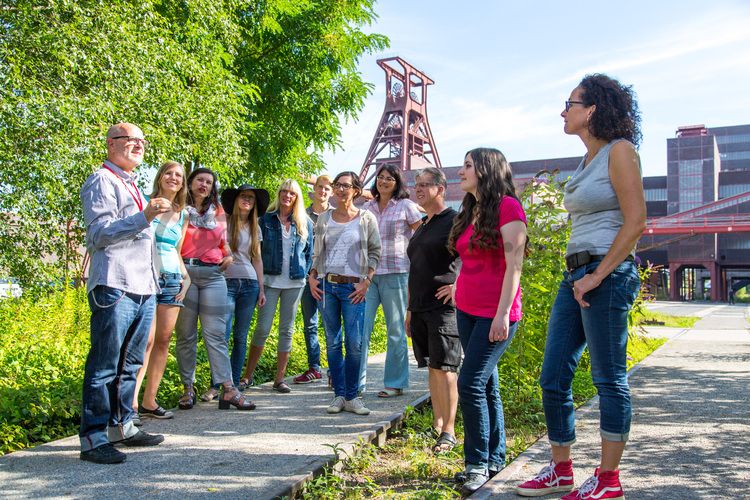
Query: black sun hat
[[229, 195]]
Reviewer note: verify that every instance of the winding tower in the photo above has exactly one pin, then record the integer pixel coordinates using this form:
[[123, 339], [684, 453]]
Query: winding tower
[[403, 136]]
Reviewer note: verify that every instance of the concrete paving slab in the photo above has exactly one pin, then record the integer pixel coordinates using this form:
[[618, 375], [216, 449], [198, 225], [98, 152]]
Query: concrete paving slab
[[691, 420], [266, 453]]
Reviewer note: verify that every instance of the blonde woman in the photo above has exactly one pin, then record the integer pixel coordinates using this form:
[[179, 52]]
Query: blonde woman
[[169, 232], [286, 250]]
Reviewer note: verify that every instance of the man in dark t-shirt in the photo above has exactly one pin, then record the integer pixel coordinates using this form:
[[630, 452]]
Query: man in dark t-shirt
[[431, 316]]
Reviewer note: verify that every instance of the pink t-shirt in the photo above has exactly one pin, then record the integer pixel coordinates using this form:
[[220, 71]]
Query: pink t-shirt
[[480, 281], [208, 245]]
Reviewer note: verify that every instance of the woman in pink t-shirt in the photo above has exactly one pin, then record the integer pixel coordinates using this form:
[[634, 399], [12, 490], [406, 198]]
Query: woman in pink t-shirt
[[206, 255], [489, 234]]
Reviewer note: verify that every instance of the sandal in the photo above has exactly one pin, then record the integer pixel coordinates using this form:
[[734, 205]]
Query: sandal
[[210, 395], [239, 401], [445, 443], [282, 387], [187, 400], [245, 383], [390, 393]]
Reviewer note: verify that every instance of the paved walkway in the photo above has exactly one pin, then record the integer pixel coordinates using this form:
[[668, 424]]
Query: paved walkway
[[260, 454], [690, 436]]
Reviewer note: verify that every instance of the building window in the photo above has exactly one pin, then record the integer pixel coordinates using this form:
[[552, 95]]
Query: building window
[[658, 194], [732, 139], [690, 184], [736, 155], [728, 190]]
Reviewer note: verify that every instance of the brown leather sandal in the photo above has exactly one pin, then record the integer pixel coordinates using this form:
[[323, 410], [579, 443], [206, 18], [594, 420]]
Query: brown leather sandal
[[187, 400], [239, 401]]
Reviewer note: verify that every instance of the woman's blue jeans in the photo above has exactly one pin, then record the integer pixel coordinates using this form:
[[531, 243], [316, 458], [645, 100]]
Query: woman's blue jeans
[[390, 291], [336, 305], [479, 393], [603, 326], [310, 322], [242, 296]]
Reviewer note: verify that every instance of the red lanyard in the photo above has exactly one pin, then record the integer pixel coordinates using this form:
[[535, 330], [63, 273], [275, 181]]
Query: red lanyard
[[135, 195]]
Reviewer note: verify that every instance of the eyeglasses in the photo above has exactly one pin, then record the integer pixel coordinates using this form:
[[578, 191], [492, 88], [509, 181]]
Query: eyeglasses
[[131, 140], [569, 103], [344, 186], [386, 179], [424, 185], [247, 197]]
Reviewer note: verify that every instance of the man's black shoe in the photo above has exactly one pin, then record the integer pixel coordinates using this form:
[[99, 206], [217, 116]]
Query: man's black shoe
[[104, 454], [142, 438]]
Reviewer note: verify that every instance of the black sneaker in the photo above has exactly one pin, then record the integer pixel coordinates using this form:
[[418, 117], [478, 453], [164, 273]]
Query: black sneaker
[[474, 481], [104, 454], [137, 420], [159, 412], [142, 438]]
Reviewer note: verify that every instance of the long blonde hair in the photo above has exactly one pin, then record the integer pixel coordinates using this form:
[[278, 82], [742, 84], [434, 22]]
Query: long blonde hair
[[181, 196], [236, 224], [299, 216]]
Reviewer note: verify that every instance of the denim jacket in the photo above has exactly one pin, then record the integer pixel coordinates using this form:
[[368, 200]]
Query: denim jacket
[[271, 251]]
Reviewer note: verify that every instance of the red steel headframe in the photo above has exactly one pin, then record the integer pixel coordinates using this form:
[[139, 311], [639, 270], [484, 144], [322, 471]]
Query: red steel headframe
[[403, 128]]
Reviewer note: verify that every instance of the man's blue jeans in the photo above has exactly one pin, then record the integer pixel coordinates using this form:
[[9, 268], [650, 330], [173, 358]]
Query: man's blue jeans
[[120, 323], [336, 305], [604, 327], [478, 393], [390, 291], [310, 322], [242, 296]]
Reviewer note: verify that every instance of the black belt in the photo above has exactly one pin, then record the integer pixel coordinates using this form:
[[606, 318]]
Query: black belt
[[198, 262], [576, 260]]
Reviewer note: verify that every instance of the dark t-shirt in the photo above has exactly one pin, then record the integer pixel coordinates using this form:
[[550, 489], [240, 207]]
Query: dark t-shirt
[[431, 264]]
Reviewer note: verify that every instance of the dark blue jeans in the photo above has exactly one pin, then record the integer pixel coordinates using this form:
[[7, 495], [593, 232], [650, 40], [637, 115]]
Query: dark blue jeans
[[478, 393], [310, 321], [344, 372], [242, 296], [604, 328], [120, 323]]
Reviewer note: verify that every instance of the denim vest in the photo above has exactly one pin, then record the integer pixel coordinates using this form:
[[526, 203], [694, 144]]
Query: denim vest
[[271, 251]]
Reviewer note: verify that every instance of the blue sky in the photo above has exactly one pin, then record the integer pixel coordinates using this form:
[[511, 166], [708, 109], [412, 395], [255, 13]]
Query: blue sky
[[503, 70]]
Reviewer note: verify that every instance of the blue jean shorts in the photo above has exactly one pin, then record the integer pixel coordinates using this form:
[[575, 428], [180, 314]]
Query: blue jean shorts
[[170, 284]]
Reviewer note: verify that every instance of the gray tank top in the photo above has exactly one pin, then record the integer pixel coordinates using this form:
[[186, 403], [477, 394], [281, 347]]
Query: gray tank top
[[592, 204]]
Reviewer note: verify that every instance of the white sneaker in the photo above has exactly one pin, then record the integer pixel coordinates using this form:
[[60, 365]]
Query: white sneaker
[[356, 406], [336, 405]]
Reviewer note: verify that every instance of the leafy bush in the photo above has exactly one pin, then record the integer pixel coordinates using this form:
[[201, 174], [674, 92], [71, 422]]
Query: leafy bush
[[43, 349]]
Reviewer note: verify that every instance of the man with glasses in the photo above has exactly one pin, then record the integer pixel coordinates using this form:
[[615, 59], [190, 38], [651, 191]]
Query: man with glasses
[[431, 316], [121, 287]]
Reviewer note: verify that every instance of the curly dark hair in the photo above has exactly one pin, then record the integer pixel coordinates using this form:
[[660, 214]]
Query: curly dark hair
[[399, 192], [494, 181], [616, 115], [213, 196]]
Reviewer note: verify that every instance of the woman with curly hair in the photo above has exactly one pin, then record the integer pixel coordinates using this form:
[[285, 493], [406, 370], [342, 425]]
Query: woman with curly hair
[[608, 214], [489, 234]]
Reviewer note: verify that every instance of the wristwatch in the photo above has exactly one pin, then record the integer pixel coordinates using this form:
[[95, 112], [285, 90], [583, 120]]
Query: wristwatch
[[366, 278]]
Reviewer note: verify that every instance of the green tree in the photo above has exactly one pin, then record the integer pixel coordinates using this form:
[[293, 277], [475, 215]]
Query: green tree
[[253, 89]]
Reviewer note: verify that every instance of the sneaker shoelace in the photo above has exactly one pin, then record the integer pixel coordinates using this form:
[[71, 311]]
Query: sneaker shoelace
[[545, 473], [588, 486]]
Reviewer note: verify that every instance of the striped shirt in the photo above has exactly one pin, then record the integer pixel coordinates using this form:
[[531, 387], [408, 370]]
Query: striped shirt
[[395, 231]]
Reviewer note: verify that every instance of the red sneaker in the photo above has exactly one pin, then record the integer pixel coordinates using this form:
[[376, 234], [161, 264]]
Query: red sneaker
[[600, 486], [553, 478], [311, 375]]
